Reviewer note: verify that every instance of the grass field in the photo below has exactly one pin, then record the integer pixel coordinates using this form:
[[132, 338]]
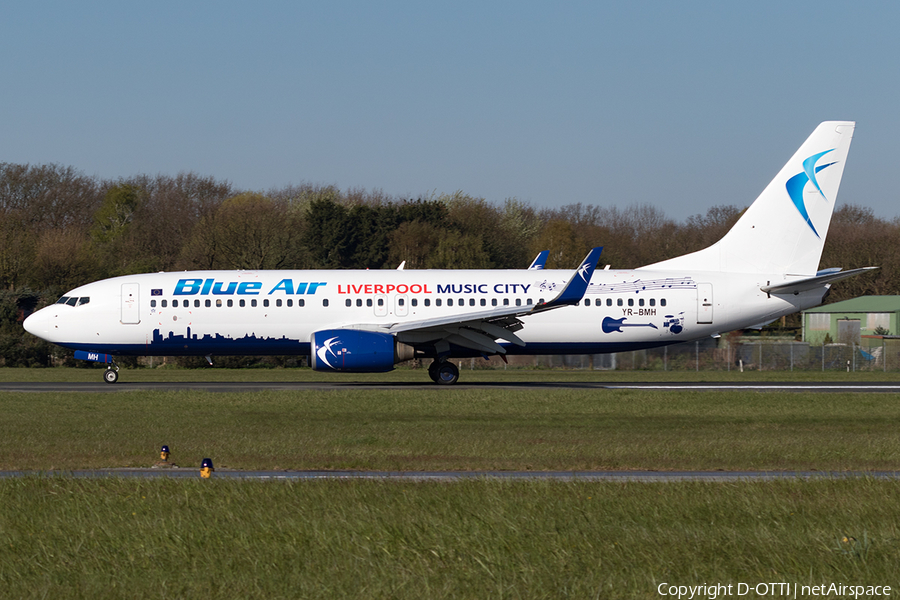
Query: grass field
[[115, 538]]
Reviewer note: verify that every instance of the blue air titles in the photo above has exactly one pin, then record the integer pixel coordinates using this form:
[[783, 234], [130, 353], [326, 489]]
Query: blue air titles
[[204, 287]]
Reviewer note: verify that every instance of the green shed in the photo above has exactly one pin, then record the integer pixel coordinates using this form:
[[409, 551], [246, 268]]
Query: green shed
[[846, 321]]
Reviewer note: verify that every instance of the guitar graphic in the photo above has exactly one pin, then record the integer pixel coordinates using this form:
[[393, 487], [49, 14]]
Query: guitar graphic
[[610, 325]]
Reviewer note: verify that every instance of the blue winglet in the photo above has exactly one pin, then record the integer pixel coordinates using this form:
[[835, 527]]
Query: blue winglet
[[540, 261], [577, 284]]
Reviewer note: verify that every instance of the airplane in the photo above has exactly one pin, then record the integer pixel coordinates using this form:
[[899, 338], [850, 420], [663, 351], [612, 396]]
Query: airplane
[[356, 321]]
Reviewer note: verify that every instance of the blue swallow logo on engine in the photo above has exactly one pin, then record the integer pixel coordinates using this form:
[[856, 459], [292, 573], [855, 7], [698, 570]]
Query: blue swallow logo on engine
[[796, 184], [325, 349]]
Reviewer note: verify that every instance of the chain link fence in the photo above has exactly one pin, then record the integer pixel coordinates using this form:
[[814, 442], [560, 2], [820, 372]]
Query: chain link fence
[[874, 353]]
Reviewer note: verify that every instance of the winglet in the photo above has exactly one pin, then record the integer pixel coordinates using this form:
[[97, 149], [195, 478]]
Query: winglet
[[577, 285], [539, 261]]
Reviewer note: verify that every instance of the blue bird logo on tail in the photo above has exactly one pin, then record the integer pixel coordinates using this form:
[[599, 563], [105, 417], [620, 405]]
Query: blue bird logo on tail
[[796, 184]]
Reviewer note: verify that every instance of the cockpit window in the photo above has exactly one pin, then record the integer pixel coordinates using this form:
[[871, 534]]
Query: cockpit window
[[73, 301]]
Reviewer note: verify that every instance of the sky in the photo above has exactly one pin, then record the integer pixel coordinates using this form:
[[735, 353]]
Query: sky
[[679, 105]]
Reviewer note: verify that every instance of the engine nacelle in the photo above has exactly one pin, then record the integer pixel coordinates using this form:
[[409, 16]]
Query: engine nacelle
[[354, 351]]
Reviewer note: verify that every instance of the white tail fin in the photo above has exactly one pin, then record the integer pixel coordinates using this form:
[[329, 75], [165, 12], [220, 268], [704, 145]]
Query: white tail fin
[[784, 230]]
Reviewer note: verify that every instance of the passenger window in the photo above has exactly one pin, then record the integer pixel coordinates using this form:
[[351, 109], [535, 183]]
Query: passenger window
[[359, 301], [598, 302], [631, 302], [518, 302], [400, 302], [414, 302], [609, 301], [619, 302], [218, 302], [437, 302], [662, 302], [348, 302], [449, 301], [641, 302], [301, 302], [369, 302], [230, 303], [325, 302], [381, 302], [153, 304], [266, 303], [164, 304], [242, 303], [290, 302], [278, 302], [174, 303], [506, 302], [253, 303], [652, 301], [196, 304], [530, 302], [493, 302], [471, 301], [462, 301], [208, 303]]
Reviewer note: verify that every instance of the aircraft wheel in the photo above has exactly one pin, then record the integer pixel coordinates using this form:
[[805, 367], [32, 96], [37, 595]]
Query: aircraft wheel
[[433, 371], [447, 373], [111, 376]]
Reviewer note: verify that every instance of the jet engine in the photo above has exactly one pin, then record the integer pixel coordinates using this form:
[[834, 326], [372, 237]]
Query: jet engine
[[355, 351]]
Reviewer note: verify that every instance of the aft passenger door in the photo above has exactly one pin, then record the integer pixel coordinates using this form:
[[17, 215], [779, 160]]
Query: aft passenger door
[[704, 303], [131, 306]]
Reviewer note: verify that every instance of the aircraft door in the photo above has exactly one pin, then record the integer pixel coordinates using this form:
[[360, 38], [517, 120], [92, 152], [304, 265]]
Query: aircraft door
[[704, 303], [131, 311], [401, 305]]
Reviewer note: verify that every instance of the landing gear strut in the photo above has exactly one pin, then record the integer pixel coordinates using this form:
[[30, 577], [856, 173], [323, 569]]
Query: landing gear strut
[[443, 372]]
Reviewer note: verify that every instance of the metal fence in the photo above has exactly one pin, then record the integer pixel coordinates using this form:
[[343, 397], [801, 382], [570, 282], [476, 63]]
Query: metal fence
[[875, 354]]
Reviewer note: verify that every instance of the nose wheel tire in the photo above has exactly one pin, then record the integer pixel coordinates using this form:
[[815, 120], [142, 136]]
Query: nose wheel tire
[[111, 376]]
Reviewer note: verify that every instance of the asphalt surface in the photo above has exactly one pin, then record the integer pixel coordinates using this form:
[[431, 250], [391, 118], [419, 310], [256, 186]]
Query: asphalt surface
[[449, 476], [128, 386]]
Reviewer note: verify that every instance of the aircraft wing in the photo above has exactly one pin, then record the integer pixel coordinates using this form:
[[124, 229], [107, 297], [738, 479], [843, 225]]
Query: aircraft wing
[[479, 330]]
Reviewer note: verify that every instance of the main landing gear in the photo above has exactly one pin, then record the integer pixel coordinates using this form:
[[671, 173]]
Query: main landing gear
[[443, 372]]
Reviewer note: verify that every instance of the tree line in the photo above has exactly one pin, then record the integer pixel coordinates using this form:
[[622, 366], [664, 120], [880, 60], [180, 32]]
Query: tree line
[[60, 229]]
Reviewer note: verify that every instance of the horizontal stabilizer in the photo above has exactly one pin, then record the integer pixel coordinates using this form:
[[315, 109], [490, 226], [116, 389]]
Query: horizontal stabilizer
[[811, 283]]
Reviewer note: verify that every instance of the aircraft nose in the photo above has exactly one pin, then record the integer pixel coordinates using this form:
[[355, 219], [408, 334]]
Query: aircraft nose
[[36, 324]]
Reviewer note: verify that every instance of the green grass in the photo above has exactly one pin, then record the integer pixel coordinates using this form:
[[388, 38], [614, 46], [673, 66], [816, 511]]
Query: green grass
[[192, 538], [93, 373], [461, 429], [472, 539]]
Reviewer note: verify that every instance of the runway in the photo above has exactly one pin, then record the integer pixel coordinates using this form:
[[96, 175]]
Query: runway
[[452, 476], [220, 387]]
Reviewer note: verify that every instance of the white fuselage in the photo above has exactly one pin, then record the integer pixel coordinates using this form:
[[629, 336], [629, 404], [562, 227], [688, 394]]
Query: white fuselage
[[276, 312]]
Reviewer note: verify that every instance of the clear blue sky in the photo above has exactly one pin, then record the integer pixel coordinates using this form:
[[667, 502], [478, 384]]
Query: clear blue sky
[[681, 105]]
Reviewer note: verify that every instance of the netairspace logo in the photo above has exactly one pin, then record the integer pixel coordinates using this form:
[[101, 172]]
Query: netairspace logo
[[772, 590]]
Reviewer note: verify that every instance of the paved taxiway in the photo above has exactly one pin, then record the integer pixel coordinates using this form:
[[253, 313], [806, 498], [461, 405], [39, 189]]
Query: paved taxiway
[[128, 386], [645, 476]]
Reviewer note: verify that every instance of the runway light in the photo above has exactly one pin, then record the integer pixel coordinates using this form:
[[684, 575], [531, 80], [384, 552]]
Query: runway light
[[206, 468], [164, 453]]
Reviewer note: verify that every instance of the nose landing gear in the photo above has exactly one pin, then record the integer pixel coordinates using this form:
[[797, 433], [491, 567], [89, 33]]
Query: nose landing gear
[[112, 374]]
